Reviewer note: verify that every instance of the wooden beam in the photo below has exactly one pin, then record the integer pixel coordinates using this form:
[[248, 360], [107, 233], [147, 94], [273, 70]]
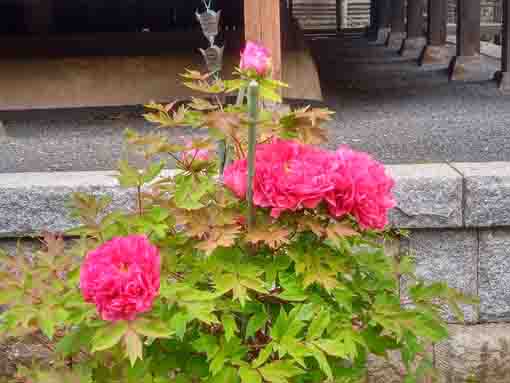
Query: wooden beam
[[262, 22]]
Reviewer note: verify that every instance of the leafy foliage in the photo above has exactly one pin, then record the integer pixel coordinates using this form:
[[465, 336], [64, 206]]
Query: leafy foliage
[[305, 298]]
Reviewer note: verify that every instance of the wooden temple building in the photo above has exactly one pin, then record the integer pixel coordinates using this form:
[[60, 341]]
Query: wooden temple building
[[61, 53]]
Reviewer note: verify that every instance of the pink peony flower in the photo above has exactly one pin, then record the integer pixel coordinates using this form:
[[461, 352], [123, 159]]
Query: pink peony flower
[[290, 176], [256, 58], [370, 197], [121, 277]]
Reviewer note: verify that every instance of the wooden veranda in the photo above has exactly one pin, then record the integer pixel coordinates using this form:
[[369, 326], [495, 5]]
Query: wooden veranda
[[57, 53]]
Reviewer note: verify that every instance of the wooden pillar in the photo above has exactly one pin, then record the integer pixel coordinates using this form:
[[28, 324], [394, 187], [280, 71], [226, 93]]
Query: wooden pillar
[[436, 51], [339, 14], [415, 41], [38, 16], [503, 76], [398, 24], [262, 24], [381, 21], [466, 64]]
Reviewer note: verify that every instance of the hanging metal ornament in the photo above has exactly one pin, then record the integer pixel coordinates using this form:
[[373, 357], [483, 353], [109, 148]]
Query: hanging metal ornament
[[210, 23], [213, 57]]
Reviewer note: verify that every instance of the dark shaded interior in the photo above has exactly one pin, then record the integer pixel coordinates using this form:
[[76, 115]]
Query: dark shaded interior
[[53, 28], [99, 16]]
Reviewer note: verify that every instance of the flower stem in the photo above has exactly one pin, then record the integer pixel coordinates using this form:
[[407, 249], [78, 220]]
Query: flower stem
[[253, 110]]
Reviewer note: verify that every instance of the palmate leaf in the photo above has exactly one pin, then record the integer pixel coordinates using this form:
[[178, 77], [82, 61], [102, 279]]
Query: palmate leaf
[[229, 326], [339, 229], [201, 104], [153, 328], [249, 375], [280, 371], [191, 189], [273, 236], [318, 324], [256, 322], [74, 341], [108, 336], [227, 124], [224, 236]]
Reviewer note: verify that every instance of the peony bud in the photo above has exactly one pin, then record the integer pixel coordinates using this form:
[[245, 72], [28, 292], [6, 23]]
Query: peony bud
[[256, 58]]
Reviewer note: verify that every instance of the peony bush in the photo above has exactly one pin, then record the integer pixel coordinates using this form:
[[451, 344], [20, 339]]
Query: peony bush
[[260, 262]]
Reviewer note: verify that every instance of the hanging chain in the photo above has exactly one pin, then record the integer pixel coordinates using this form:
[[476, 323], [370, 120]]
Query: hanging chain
[[207, 4]]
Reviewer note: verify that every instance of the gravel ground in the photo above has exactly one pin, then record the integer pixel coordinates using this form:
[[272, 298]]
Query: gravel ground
[[385, 105]]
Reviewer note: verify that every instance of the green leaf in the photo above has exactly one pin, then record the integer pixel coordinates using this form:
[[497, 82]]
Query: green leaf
[[154, 328], [74, 341], [256, 322], [129, 176], [281, 325], [264, 354], [217, 362], [322, 361], [318, 325], [179, 323], [229, 325], [331, 347], [226, 375], [10, 295], [280, 371], [269, 94], [153, 171], [249, 376], [108, 336], [134, 346], [190, 189], [254, 284], [47, 321], [206, 344]]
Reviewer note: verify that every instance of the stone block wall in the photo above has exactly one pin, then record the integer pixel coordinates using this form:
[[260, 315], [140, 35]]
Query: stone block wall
[[458, 216]]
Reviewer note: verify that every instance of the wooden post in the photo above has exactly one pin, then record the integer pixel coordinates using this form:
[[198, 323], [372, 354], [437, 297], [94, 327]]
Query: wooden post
[[384, 21], [398, 24], [381, 20], [438, 14], [468, 27], [503, 76], [436, 51], [414, 18], [262, 24], [339, 14], [466, 63], [415, 41]]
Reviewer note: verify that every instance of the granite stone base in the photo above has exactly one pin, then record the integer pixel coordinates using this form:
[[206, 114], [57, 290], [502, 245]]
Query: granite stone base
[[503, 80], [413, 46], [435, 55], [395, 40], [466, 68], [382, 36]]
